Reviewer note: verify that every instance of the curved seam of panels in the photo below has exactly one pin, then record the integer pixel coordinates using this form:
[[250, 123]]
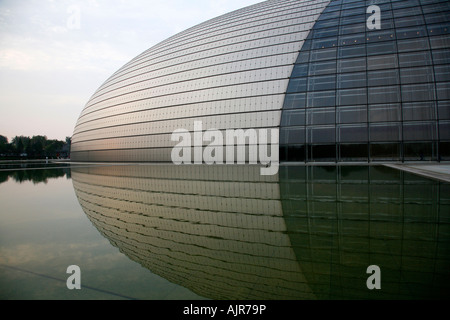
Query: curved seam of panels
[[169, 84], [211, 30], [162, 53], [188, 91], [217, 100], [198, 52], [199, 68], [202, 67], [160, 134], [162, 120], [120, 78]]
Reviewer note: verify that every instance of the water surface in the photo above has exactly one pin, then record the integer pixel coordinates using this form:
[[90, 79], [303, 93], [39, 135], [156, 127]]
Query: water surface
[[222, 232]]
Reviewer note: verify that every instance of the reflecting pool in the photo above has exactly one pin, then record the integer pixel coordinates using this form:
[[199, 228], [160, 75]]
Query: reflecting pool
[[171, 232]]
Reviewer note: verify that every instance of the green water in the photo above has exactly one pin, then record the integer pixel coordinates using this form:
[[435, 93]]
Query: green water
[[165, 232]]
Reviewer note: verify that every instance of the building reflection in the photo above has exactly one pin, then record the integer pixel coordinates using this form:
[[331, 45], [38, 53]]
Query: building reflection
[[310, 232]]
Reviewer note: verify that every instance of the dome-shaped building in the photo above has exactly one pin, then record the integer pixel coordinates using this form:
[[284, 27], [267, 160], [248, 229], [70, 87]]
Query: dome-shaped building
[[335, 87]]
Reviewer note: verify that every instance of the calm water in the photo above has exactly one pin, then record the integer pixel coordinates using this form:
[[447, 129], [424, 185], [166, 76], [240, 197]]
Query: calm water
[[222, 232]]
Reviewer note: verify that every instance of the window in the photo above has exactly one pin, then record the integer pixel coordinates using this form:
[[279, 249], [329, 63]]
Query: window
[[293, 117], [321, 134], [297, 85], [419, 111], [300, 70], [353, 114], [351, 51], [411, 59], [416, 75], [352, 133], [321, 116], [295, 101], [383, 77], [326, 67], [351, 80], [384, 94], [414, 44], [352, 65], [382, 62], [322, 83], [385, 112], [323, 54], [418, 92], [321, 99], [385, 132], [381, 48], [347, 97], [419, 131]]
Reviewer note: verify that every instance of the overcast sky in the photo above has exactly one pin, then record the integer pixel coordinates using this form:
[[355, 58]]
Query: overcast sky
[[54, 54]]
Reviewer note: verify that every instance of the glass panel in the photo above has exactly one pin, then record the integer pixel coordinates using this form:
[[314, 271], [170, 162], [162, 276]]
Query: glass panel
[[317, 68], [300, 70], [377, 36], [384, 94], [442, 72], [295, 101], [444, 130], [297, 85], [353, 152], [385, 151], [413, 45], [322, 153], [353, 28], [416, 75], [354, 114], [382, 62], [293, 135], [383, 77], [354, 133], [324, 32], [323, 54], [321, 134], [419, 131], [418, 92], [386, 132], [385, 112], [352, 65], [419, 111], [293, 117], [322, 83], [444, 110], [324, 43], [441, 56], [321, 99], [352, 39], [352, 97], [411, 59], [351, 51], [321, 116], [409, 21], [381, 48], [419, 151], [412, 32], [351, 80]]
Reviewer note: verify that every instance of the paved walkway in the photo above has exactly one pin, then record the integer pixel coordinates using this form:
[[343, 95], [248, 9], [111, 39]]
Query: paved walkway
[[434, 171]]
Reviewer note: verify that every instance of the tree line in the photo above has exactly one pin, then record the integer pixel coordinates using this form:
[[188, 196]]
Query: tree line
[[36, 147]]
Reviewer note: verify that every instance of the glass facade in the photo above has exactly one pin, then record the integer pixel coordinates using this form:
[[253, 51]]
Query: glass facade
[[359, 94]]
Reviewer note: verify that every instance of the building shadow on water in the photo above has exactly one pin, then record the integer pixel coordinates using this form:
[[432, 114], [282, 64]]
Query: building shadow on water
[[309, 232]]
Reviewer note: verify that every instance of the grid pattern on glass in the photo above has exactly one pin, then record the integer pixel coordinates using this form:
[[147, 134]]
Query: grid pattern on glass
[[230, 73], [385, 85]]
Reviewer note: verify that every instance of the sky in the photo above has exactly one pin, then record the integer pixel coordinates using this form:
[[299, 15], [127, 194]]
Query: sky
[[54, 54]]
